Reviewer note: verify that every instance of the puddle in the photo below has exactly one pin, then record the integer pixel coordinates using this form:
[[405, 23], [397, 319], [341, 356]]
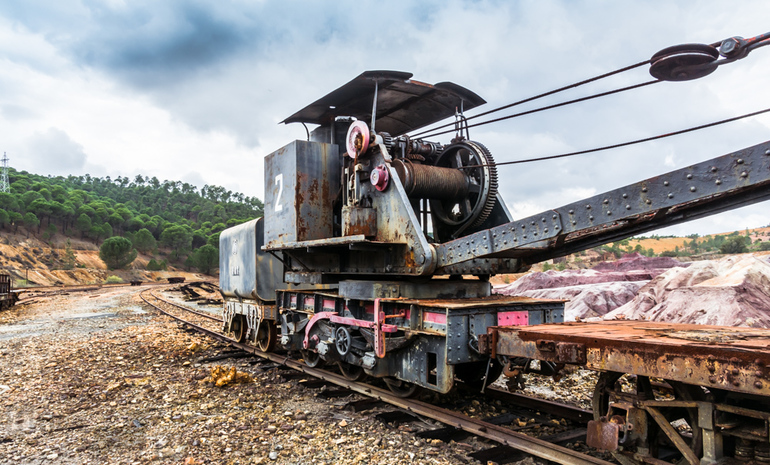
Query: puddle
[[80, 316]]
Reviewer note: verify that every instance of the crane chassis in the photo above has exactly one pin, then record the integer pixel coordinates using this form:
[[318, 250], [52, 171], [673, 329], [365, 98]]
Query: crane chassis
[[375, 251]]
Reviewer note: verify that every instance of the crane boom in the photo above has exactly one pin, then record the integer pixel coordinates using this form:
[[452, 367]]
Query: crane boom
[[723, 183]]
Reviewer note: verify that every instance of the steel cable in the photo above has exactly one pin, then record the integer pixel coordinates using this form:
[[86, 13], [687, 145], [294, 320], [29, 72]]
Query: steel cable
[[545, 94], [536, 110], [625, 144]]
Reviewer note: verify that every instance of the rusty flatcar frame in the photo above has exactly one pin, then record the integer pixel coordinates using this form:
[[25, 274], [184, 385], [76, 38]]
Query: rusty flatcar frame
[[727, 359]]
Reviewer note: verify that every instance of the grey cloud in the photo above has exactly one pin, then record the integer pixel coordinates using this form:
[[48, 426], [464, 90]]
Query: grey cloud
[[240, 67], [54, 152]]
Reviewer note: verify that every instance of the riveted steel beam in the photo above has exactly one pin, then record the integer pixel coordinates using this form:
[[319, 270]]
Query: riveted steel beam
[[723, 183]]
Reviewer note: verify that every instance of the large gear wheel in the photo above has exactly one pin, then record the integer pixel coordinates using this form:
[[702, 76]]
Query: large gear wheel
[[477, 163]]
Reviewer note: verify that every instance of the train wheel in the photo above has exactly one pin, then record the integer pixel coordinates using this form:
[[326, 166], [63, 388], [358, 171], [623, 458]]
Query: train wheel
[[400, 388], [473, 373], [352, 372], [267, 335], [613, 385], [239, 328], [312, 359]]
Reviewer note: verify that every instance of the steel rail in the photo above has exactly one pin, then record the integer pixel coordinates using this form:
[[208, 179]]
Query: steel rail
[[515, 440], [187, 309]]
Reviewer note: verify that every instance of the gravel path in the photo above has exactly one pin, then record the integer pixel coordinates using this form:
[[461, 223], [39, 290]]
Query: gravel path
[[94, 378]]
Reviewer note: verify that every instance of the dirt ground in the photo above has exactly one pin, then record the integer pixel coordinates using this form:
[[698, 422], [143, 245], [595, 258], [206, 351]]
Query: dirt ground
[[92, 377]]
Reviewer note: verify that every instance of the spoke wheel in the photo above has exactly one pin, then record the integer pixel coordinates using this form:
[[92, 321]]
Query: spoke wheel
[[352, 372], [684, 420], [312, 359], [400, 388], [343, 340], [267, 335], [239, 328]]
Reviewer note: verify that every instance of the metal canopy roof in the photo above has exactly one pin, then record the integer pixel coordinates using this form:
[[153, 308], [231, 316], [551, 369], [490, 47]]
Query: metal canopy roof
[[403, 105]]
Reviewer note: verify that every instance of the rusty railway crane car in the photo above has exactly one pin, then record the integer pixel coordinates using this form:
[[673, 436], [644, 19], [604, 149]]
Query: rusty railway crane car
[[375, 250], [8, 297]]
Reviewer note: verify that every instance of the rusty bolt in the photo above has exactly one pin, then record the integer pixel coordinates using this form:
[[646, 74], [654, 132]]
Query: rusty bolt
[[713, 169], [736, 372], [712, 379], [758, 361], [758, 374], [736, 383], [734, 360], [711, 358], [758, 384], [712, 369]]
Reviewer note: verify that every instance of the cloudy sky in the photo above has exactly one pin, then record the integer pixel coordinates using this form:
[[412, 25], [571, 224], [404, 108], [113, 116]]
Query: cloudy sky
[[194, 90]]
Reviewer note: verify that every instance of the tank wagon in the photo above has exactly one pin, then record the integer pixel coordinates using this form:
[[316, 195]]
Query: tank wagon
[[375, 252]]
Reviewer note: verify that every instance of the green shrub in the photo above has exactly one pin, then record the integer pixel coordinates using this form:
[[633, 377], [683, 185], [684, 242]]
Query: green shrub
[[113, 280]]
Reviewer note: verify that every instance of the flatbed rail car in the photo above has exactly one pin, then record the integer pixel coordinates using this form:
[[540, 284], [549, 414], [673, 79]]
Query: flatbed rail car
[[375, 251], [719, 379], [8, 297]]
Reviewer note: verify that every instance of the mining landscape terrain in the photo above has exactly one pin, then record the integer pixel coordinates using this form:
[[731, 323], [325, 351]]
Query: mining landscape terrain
[[92, 375]]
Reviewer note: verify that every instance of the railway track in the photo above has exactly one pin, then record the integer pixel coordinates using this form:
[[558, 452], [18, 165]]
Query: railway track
[[486, 429]]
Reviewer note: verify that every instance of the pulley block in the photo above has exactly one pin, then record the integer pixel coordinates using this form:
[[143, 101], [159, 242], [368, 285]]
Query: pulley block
[[684, 62]]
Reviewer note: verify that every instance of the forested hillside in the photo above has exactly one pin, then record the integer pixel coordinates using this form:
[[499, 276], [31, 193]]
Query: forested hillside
[[151, 214]]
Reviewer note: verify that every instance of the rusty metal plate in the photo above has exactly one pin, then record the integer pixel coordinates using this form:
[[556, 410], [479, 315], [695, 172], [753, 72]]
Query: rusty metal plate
[[403, 104], [569, 352], [602, 435]]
